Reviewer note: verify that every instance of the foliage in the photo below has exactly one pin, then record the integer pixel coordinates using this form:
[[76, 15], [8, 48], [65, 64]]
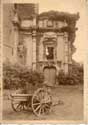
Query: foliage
[[59, 16], [77, 72], [73, 78], [63, 16], [16, 76]]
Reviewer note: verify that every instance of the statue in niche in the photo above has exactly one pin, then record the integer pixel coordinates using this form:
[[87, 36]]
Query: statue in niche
[[22, 52]]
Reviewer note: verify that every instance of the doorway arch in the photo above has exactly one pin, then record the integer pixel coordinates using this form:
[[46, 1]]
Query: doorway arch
[[50, 75]]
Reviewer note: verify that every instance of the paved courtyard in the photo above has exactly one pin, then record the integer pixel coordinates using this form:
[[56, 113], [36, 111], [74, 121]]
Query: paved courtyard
[[71, 107]]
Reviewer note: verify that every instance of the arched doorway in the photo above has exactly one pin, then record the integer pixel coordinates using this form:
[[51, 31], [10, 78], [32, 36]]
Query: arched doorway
[[50, 75]]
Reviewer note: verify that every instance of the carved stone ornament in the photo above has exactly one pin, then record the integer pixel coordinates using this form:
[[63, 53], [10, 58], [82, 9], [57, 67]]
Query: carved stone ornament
[[49, 37]]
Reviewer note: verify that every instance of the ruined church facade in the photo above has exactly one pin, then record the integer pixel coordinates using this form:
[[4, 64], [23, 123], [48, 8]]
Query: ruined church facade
[[44, 41]]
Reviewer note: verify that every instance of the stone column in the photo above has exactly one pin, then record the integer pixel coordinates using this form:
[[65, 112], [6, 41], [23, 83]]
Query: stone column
[[34, 49], [66, 53]]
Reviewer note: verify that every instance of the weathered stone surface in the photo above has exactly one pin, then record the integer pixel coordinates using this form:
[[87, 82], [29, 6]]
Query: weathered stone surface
[[50, 31]]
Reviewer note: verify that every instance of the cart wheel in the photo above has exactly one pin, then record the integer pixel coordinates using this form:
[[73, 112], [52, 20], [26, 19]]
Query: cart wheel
[[18, 106], [41, 102]]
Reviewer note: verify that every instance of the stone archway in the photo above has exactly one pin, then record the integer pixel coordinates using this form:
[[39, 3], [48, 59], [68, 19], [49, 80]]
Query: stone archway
[[50, 75]]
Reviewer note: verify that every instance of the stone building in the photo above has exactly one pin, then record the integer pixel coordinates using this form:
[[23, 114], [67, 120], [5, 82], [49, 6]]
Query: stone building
[[44, 41]]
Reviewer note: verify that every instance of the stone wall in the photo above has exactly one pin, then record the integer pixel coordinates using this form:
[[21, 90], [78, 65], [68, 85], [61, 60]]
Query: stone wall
[[8, 29], [29, 54]]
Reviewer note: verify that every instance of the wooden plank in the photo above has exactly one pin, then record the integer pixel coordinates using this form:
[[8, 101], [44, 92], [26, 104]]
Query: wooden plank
[[21, 95], [18, 99]]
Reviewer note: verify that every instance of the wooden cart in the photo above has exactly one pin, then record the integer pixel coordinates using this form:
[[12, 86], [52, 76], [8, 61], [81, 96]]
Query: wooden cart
[[40, 102]]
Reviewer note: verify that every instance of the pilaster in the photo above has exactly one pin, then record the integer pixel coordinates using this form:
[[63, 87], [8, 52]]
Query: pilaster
[[16, 36], [28, 42], [66, 53], [70, 53], [34, 49]]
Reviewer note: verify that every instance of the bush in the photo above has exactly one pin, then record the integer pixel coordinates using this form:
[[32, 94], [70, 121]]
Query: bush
[[73, 78], [65, 79], [77, 73], [16, 76]]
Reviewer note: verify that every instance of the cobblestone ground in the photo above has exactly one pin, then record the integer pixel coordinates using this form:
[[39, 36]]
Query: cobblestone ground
[[71, 107]]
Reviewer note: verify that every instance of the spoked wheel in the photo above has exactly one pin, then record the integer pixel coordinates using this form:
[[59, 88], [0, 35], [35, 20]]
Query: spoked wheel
[[18, 106], [41, 102]]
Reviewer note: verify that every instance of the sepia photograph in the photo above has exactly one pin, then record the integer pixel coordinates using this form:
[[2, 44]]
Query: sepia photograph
[[43, 68]]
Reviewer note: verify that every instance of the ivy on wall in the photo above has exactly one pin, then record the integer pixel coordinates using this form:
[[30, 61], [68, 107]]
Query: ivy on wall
[[55, 15], [63, 16]]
